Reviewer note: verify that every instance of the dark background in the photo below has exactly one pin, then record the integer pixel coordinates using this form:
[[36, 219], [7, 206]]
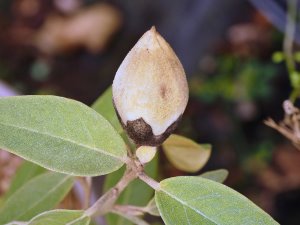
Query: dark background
[[226, 48]]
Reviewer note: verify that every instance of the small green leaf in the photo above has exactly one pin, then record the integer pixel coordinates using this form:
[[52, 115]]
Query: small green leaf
[[60, 134], [104, 106], [131, 219], [216, 175], [24, 173], [196, 200], [137, 192], [185, 154], [151, 208], [61, 217], [38, 195]]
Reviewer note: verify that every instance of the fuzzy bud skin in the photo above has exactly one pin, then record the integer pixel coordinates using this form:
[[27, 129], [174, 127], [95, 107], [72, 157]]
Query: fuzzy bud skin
[[145, 153], [150, 90]]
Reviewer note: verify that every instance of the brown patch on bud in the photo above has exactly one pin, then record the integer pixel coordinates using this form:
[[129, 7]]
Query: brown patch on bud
[[141, 132]]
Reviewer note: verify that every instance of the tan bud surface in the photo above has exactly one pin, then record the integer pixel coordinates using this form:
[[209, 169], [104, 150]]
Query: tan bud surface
[[150, 90]]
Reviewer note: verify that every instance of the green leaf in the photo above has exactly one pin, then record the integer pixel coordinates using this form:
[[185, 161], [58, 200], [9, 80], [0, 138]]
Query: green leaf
[[60, 134], [38, 195], [185, 154], [24, 173], [131, 219], [151, 208], [61, 217], [216, 175], [104, 106], [137, 192], [196, 200]]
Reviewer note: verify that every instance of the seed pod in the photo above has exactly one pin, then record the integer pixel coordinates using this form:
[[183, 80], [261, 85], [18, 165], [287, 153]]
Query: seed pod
[[150, 90]]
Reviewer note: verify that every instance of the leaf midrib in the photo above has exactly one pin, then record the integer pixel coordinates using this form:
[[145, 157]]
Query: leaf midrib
[[64, 139], [186, 205]]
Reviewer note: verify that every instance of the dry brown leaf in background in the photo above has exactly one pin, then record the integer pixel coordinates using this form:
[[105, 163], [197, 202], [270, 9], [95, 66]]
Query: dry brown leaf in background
[[71, 201], [26, 8], [8, 166], [250, 38], [68, 6], [283, 175], [90, 28]]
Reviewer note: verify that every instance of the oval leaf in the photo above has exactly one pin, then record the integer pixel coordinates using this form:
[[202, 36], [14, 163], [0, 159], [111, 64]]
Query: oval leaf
[[104, 106], [151, 208], [216, 175], [38, 195], [195, 200], [185, 154], [60, 134], [61, 217]]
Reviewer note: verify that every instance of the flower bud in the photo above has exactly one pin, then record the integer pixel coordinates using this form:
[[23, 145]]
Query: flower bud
[[145, 154], [150, 90]]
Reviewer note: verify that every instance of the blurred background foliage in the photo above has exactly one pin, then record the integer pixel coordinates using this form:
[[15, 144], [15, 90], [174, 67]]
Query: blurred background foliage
[[73, 48]]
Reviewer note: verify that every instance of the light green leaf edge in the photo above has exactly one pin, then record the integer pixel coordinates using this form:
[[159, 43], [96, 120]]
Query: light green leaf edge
[[196, 200], [60, 217], [60, 134], [219, 175], [40, 194]]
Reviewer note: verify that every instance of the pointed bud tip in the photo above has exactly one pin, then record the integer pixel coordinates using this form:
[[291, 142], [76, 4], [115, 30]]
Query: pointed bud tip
[[153, 29]]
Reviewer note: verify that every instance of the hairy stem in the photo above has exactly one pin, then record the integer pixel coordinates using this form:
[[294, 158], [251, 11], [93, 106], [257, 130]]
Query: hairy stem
[[289, 34], [130, 210], [148, 180], [288, 48], [88, 191], [106, 202]]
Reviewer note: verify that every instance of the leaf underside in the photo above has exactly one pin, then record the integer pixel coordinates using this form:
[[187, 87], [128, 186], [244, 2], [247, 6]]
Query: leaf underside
[[38, 195], [195, 200], [60, 134], [61, 217]]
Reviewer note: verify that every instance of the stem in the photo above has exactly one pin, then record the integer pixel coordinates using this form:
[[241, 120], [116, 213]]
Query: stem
[[289, 34], [130, 210], [88, 191], [148, 180], [106, 202], [288, 48]]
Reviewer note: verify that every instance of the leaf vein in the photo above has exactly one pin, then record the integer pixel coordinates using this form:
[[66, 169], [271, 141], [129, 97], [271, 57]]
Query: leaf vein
[[188, 206], [64, 139]]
